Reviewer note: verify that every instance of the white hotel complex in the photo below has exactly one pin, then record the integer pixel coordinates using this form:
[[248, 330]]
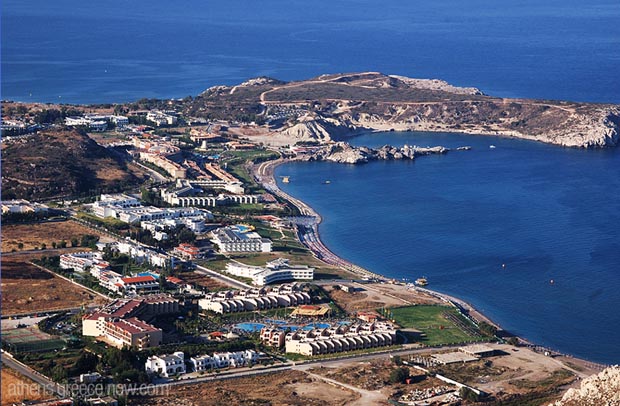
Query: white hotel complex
[[333, 339], [240, 239], [278, 270], [129, 210], [254, 299]]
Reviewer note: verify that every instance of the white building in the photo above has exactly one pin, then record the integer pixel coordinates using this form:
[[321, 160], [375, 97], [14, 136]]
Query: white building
[[224, 360], [238, 239], [22, 206], [253, 299], [81, 261], [338, 339], [142, 254], [166, 365], [278, 270]]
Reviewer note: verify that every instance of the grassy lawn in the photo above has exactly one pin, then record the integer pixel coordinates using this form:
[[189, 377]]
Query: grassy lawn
[[432, 321]]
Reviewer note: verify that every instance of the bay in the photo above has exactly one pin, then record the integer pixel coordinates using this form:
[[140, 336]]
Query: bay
[[547, 213]]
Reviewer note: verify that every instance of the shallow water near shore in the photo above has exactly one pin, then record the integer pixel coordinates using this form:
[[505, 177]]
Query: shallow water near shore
[[546, 212]]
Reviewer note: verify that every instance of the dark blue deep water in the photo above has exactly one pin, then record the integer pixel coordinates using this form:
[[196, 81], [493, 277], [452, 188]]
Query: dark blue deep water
[[119, 50], [546, 212]]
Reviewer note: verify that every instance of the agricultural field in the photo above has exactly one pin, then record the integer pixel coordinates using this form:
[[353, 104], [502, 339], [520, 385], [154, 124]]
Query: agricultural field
[[28, 289], [17, 388], [439, 324], [31, 236]]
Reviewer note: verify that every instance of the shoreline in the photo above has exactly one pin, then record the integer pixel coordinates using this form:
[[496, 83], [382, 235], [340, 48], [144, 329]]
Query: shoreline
[[264, 174]]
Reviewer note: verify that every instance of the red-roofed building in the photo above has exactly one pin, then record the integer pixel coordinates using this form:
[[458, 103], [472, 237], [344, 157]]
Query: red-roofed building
[[119, 324], [368, 317], [189, 251], [140, 284]]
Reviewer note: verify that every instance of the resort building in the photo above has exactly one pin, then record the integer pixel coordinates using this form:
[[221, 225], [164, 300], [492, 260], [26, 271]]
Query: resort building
[[339, 338], [240, 239], [166, 365], [142, 254], [138, 285], [22, 206], [224, 360], [278, 270], [129, 210], [83, 261], [253, 299], [190, 252], [198, 192], [121, 322]]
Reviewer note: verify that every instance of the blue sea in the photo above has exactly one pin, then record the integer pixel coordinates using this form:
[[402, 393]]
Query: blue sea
[[546, 212], [76, 51]]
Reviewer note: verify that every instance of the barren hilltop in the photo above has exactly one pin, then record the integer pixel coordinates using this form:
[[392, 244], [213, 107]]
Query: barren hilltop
[[333, 106]]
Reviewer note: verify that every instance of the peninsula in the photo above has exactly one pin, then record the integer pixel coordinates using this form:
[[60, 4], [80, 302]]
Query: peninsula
[[331, 107]]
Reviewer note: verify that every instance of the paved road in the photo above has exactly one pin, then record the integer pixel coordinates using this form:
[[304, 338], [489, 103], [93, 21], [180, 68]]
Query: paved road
[[222, 278], [48, 385]]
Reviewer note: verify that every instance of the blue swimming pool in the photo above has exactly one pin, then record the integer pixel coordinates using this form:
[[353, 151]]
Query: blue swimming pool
[[251, 327], [278, 322], [316, 325]]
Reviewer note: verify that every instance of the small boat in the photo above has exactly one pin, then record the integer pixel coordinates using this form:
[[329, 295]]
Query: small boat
[[286, 179], [492, 146], [327, 182], [421, 282]]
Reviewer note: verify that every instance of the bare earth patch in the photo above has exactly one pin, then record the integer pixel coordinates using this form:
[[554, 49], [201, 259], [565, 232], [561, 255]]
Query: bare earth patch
[[293, 388], [17, 388], [33, 235], [28, 289]]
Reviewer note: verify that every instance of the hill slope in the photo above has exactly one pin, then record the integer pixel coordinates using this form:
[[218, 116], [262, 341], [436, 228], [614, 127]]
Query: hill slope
[[60, 163], [337, 105]]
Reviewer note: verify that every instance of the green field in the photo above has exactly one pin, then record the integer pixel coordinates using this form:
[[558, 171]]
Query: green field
[[439, 324]]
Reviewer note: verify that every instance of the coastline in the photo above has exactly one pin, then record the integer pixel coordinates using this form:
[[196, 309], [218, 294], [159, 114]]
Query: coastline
[[264, 174]]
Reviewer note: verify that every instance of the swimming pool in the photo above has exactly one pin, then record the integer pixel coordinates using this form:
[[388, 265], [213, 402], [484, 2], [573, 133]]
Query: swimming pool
[[316, 325], [251, 327]]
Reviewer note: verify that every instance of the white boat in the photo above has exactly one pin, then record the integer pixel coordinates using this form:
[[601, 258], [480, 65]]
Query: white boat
[[492, 146]]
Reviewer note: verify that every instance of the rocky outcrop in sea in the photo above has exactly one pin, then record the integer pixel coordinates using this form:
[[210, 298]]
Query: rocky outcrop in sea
[[342, 152]]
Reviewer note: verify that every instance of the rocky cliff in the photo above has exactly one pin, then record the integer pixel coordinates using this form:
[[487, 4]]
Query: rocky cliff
[[602, 389]]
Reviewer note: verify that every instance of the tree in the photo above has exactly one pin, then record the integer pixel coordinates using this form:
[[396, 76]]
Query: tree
[[487, 329], [74, 242], [399, 375], [62, 244], [468, 394], [20, 245]]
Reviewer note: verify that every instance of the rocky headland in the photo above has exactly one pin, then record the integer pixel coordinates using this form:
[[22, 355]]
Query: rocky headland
[[333, 107]]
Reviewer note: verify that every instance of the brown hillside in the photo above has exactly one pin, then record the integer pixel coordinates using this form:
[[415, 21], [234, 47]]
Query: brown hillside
[[60, 163]]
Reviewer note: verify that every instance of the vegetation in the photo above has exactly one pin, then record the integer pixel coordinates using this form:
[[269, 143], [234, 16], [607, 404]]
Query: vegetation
[[439, 324], [399, 375], [71, 164]]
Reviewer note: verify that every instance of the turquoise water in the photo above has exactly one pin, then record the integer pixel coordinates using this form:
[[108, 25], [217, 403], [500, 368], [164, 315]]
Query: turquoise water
[[548, 213], [251, 327], [315, 325]]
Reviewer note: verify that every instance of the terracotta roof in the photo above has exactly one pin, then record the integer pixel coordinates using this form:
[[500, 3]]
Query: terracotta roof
[[138, 279], [172, 279]]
